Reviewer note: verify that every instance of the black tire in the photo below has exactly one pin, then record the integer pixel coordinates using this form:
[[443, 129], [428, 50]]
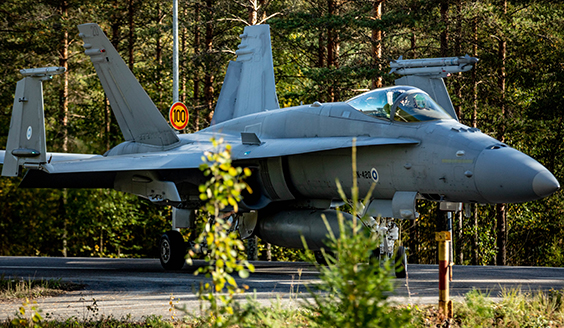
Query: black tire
[[401, 263], [321, 260], [172, 250], [375, 257]]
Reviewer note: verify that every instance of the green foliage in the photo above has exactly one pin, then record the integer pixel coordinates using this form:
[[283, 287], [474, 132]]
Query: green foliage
[[515, 309], [31, 288], [223, 248], [28, 315], [93, 223], [225, 185]]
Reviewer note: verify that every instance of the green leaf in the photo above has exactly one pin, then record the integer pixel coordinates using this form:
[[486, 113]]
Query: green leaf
[[243, 273]]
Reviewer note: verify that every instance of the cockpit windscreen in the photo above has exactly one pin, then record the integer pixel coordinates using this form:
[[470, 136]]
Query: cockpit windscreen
[[406, 104]]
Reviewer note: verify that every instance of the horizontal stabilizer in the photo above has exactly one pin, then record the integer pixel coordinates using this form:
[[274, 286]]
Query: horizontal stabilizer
[[137, 116], [57, 157], [249, 85]]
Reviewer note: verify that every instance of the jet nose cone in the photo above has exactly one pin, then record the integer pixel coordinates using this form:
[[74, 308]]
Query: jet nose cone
[[505, 175], [545, 184]]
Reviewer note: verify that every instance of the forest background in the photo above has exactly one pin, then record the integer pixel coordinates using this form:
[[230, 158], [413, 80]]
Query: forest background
[[324, 50]]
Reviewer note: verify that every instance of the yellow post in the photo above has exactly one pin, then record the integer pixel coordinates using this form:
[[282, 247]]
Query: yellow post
[[445, 304]]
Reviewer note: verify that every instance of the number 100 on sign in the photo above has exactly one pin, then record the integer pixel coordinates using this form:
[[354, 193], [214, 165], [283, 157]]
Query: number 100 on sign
[[178, 116]]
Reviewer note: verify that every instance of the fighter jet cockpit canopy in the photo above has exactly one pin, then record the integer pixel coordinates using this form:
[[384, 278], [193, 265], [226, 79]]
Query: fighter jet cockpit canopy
[[402, 103]]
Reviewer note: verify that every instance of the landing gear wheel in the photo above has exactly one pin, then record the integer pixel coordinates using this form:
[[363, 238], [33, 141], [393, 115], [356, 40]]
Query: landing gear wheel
[[172, 250], [320, 259], [401, 263]]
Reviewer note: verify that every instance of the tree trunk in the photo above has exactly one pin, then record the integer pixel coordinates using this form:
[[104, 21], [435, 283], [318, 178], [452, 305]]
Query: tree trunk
[[501, 237], [458, 52], [332, 48], [115, 27], [474, 76], [413, 242], [63, 62], [475, 125], [196, 98], [107, 122], [320, 50], [253, 12], [444, 33], [131, 14], [209, 77], [330, 36], [64, 109], [501, 215], [63, 218], [158, 55], [413, 46], [475, 236], [268, 252], [263, 4], [460, 239], [115, 31], [377, 44]]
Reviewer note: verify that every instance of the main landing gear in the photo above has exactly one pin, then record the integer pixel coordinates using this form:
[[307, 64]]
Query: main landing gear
[[388, 232], [172, 250]]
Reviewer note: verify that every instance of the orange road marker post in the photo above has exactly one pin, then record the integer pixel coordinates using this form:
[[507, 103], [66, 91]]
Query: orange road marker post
[[445, 304], [443, 236]]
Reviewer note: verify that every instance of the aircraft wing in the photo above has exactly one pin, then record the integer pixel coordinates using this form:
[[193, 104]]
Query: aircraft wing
[[190, 155], [295, 146]]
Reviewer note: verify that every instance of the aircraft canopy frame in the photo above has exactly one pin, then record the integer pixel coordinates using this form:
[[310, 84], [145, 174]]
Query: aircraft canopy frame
[[399, 103]]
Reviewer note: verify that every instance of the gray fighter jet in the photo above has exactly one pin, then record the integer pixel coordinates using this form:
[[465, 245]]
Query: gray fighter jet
[[409, 142]]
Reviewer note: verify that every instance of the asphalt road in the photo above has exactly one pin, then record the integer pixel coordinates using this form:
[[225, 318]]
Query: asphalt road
[[139, 287]]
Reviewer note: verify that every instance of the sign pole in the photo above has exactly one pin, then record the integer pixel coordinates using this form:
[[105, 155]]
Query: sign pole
[[175, 51]]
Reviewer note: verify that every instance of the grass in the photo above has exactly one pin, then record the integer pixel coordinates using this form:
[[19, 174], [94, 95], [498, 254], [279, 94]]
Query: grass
[[515, 309], [21, 288]]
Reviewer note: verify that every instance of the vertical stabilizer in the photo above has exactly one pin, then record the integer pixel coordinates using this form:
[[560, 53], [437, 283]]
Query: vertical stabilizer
[[249, 85], [137, 116], [26, 139]]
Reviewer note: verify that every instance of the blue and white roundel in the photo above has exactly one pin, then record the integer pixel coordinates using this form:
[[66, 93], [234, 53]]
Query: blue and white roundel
[[374, 175]]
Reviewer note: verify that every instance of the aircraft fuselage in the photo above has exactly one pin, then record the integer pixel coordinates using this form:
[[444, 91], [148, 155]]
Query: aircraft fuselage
[[450, 162]]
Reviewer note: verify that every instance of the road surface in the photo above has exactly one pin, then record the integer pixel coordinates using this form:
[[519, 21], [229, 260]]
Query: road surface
[[137, 288]]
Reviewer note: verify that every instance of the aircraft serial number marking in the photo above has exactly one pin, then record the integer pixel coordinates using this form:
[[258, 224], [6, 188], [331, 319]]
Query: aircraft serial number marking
[[363, 174], [368, 175]]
